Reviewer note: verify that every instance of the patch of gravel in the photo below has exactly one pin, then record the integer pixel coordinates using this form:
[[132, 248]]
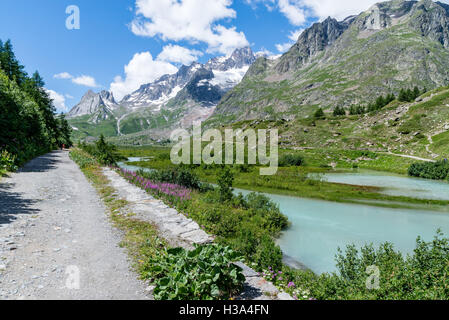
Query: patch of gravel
[[52, 225]]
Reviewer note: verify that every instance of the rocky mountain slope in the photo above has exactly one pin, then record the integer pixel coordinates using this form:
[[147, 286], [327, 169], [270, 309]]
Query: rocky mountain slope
[[393, 45], [98, 106]]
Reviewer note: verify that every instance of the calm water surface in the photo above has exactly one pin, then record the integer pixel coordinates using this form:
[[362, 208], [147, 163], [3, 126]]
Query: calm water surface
[[395, 185], [320, 227]]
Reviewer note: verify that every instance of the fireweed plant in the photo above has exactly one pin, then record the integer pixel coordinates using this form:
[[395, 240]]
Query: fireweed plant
[[207, 272], [247, 224], [172, 192]]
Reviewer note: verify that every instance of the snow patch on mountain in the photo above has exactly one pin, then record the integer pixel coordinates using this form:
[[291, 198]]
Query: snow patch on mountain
[[229, 78]]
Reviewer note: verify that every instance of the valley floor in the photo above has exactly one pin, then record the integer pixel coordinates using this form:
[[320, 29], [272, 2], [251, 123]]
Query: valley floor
[[52, 225]]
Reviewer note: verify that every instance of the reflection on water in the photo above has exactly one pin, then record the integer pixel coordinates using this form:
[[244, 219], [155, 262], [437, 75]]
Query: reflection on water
[[126, 166], [395, 185]]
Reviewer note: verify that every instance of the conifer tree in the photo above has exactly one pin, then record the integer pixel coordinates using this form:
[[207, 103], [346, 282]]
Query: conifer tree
[[27, 114], [319, 114]]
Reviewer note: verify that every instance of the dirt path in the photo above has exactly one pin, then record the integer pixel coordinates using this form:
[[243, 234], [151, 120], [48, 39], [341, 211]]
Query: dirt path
[[52, 226], [408, 156]]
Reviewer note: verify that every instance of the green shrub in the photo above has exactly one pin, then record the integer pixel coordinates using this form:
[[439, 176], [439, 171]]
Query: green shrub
[[339, 111], [105, 153], [420, 276], [7, 161], [319, 114], [181, 176], [82, 159], [430, 170], [268, 254], [262, 206], [228, 225], [225, 181], [410, 95], [28, 121], [294, 160], [205, 273]]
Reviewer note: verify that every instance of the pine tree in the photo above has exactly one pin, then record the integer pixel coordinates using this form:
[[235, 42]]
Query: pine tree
[[352, 110], [403, 96], [390, 98], [64, 131], [225, 181], [27, 114], [380, 103], [10, 64], [339, 111], [34, 86], [416, 93], [319, 114], [361, 110]]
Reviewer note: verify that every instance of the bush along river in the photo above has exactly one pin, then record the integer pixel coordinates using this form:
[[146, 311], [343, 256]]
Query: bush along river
[[319, 228]]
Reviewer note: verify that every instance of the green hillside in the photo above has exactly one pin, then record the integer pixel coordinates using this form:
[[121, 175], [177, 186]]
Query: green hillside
[[339, 64]]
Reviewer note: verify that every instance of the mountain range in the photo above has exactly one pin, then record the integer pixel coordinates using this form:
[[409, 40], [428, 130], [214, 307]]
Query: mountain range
[[175, 100], [393, 45]]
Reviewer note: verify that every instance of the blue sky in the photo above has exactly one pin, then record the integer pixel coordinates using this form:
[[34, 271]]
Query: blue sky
[[148, 37]]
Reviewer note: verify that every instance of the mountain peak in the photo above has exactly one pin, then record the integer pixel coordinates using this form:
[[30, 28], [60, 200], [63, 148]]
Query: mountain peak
[[311, 41], [107, 95], [94, 103], [392, 45], [225, 72]]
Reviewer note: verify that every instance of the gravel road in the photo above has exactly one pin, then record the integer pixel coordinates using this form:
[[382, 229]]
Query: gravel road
[[54, 231]]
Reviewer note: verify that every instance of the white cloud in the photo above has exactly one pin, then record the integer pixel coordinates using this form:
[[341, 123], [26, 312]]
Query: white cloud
[[140, 70], [58, 100], [337, 9], [191, 20], [178, 54], [298, 11], [269, 4], [293, 10], [63, 75], [82, 80], [294, 35], [263, 53], [283, 47], [86, 81]]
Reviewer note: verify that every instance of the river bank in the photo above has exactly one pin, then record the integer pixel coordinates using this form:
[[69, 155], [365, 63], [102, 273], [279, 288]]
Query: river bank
[[384, 204], [316, 183]]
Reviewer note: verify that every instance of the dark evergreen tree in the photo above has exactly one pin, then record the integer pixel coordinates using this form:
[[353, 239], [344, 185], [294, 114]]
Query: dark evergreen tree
[[416, 93], [380, 103], [27, 114], [339, 111], [10, 65], [390, 98], [64, 131], [403, 96], [319, 114], [225, 181], [352, 110]]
